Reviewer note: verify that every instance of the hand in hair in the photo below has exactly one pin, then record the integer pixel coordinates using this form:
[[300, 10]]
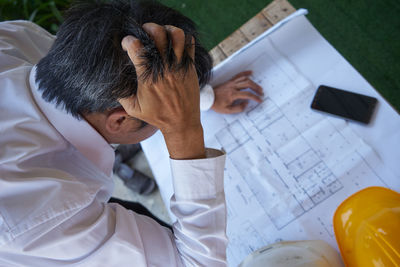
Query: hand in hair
[[171, 100], [230, 97]]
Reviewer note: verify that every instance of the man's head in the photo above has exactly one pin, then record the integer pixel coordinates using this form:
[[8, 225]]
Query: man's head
[[87, 71]]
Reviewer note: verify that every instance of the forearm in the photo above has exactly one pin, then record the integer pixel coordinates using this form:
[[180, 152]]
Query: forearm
[[187, 143], [171, 104]]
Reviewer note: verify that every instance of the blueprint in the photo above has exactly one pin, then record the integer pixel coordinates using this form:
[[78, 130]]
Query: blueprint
[[288, 167], [286, 164]]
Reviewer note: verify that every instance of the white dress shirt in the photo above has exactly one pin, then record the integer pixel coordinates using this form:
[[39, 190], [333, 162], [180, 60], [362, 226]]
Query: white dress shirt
[[55, 181]]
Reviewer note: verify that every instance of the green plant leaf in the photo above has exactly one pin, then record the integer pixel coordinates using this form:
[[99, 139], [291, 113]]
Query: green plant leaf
[[56, 12], [43, 6], [44, 18], [33, 14], [54, 27], [25, 8]]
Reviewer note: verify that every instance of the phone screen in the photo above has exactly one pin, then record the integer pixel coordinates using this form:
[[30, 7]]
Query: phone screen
[[346, 104]]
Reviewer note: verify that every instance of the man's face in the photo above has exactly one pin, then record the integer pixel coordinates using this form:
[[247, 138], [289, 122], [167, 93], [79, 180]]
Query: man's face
[[117, 127]]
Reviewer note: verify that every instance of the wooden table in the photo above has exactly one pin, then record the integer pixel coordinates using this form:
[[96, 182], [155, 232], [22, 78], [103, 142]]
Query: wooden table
[[273, 13]]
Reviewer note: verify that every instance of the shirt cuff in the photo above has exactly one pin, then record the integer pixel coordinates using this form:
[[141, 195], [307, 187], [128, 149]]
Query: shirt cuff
[[206, 97], [199, 178]]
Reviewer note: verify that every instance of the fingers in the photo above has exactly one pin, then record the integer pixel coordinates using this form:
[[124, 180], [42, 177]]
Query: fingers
[[130, 105], [243, 73], [158, 34], [178, 42], [177, 36], [248, 83], [191, 48], [247, 95], [242, 81], [133, 46], [238, 108]]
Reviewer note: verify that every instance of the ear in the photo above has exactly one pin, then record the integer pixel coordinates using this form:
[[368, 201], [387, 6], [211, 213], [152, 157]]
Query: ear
[[116, 121]]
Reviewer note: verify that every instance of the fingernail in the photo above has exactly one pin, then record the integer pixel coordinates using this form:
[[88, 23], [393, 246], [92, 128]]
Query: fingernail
[[127, 40]]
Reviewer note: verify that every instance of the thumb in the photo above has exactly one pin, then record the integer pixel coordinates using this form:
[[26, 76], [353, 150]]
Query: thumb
[[134, 48], [131, 105]]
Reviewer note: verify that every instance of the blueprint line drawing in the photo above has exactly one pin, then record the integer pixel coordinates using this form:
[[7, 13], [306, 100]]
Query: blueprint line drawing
[[314, 181], [232, 136], [288, 167]]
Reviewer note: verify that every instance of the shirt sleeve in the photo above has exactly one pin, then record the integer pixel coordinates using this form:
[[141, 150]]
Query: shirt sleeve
[[207, 97], [22, 42], [52, 210], [93, 233], [199, 233], [199, 205]]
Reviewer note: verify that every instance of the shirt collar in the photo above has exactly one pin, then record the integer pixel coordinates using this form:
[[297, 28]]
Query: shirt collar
[[78, 132]]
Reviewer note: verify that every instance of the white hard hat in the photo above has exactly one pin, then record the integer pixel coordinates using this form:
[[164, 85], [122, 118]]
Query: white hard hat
[[314, 253]]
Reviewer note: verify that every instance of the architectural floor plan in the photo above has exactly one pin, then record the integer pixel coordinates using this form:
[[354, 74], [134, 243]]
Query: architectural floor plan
[[287, 165]]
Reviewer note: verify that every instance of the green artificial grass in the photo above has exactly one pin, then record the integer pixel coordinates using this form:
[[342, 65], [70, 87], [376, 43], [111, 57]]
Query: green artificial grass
[[365, 32], [44, 13]]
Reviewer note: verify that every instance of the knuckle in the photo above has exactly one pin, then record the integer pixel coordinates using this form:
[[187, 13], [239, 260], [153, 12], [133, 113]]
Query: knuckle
[[135, 44], [173, 29], [178, 32], [158, 30], [153, 29]]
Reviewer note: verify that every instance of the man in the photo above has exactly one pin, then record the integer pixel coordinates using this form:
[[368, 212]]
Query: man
[[115, 74]]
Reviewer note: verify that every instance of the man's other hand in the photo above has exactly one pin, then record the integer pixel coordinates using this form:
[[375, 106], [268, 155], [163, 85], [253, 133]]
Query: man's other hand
[[171, 102], [230, 96]]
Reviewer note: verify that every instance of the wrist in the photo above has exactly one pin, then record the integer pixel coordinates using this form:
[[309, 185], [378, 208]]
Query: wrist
[[185, 144]]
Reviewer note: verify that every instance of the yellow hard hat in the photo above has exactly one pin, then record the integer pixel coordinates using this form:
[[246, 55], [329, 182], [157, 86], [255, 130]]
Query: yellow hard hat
[[367, 228]]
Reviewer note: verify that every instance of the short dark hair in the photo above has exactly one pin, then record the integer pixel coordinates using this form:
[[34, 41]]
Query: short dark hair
[[86, 69]]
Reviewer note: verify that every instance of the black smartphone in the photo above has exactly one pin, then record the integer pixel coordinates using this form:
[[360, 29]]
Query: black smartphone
[[345, 104]]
